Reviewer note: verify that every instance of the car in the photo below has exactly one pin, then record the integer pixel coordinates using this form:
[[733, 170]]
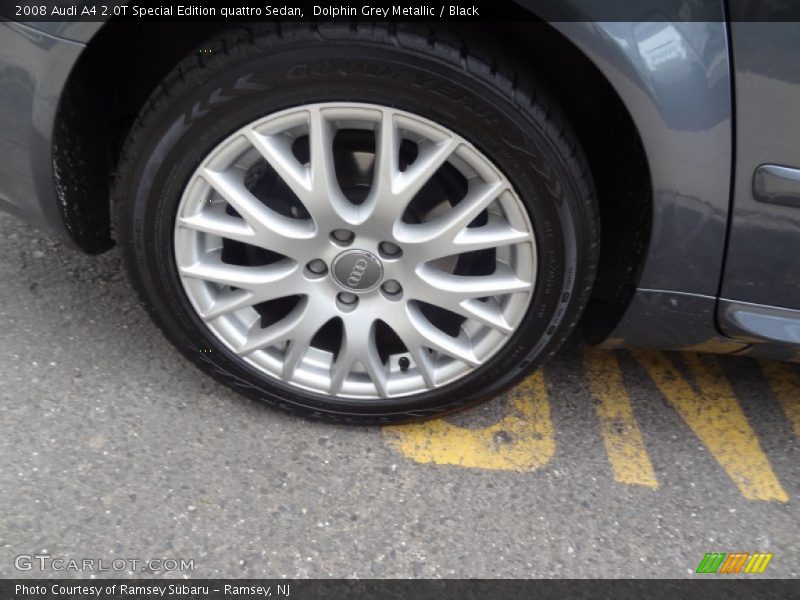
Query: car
[[383, 222]]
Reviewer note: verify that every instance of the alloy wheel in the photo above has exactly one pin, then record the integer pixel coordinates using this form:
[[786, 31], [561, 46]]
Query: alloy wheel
[[355, 250]]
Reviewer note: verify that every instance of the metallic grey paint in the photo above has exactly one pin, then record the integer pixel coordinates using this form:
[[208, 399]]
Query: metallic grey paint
[[763, 264], [672, 321], [33, 70], [673, 78]]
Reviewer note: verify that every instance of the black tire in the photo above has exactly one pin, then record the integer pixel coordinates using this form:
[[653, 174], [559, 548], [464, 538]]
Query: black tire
[[251, 73]]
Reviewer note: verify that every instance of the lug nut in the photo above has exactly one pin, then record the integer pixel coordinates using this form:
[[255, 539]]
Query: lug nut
[[391, 287], [317, 266], [389, 249], [342, 235], [347, 298]]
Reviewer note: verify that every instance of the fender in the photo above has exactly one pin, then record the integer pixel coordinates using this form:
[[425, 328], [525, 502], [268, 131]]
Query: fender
[[674, 78]]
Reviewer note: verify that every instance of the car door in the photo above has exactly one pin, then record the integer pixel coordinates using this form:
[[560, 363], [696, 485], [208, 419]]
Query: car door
[[760, 292]]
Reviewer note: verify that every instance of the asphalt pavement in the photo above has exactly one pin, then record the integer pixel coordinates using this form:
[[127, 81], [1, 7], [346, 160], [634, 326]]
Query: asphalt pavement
[[625, 464]]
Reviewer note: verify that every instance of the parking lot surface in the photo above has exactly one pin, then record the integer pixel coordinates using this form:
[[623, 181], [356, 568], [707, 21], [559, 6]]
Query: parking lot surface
[[601, 464]]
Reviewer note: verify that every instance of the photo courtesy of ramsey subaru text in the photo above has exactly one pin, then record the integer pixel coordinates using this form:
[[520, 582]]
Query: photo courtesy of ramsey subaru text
[[383, 222]]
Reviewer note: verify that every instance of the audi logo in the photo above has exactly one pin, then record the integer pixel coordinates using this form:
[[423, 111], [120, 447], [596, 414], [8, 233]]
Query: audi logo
[[358, 272]]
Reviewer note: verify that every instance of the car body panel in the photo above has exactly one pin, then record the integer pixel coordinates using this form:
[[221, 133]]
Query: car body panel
[[760, 294], [671, 321], [674, 79], [76, 31], [34, 67]]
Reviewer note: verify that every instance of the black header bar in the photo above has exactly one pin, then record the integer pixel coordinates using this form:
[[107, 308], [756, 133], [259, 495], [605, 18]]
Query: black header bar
[[178, 11]]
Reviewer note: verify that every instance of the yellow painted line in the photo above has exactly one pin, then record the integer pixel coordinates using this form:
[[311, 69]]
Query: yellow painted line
[[785, 386], [716, 418], [623, 440], [523, 440]]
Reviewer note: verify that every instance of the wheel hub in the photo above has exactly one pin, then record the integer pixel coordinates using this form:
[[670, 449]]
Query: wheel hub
[[357, 270]]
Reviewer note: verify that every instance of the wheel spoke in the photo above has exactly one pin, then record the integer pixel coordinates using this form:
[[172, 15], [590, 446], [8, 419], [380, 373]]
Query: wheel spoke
[[358, 347], [432, 155], [255, 284], [440, 284], [315, 185], [327, 205], [479, 197], [425, 365], [282, 234], [387, 156], [228, 302], [295, 352], [277, 151], [459, 294], [259, 337], [211, 268], [496, 233], [429, 336], [302, 334], [213, 220], [392, 189], [416, 345], [298, 328], [488, 313], [448, 234]]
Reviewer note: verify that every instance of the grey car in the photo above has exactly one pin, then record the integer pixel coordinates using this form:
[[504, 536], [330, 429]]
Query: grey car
[[381, 222]]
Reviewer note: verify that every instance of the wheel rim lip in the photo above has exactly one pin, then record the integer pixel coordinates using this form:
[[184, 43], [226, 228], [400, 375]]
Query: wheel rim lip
[[308, 379]]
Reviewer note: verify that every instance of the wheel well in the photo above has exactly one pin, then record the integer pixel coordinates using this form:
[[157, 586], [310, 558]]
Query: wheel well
[[122, 65], [106, 90], [616, 158]]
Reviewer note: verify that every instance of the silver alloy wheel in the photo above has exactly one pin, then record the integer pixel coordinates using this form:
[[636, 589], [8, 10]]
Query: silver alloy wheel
[[273, 242]]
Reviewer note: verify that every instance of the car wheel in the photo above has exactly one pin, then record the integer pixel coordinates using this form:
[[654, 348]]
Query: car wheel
[[357, 223]]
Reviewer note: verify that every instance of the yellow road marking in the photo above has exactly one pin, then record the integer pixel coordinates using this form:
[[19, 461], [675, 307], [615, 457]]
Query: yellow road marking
[[717, 419], [623, 440], [521, 441], [785, 386]]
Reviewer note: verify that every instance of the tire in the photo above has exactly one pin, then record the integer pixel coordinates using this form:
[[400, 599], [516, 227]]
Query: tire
[[506, 116]]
